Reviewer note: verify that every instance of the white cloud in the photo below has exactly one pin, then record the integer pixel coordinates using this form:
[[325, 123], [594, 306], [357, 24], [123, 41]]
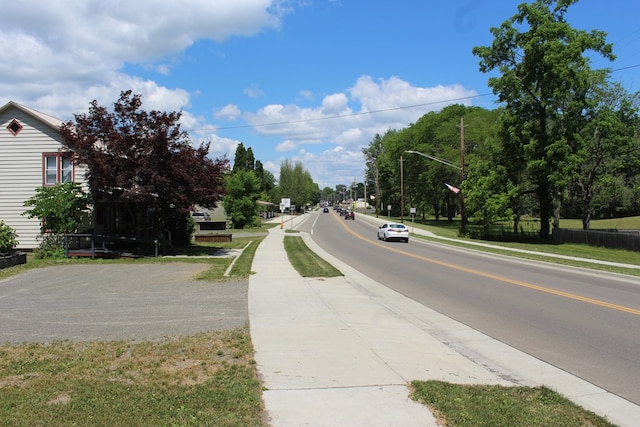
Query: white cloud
[[306, 94], [335, 104], [386, 104], [70, 48], [222, 147], [383, 104], [163, 69], [228, 112], [253, 91], [335, 165], [286, 146]]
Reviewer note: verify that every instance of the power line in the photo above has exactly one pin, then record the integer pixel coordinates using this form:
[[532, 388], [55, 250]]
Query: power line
[[363, 113], [626, 68]]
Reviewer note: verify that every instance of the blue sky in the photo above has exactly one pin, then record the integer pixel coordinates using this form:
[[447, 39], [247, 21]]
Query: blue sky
[[307, 80]]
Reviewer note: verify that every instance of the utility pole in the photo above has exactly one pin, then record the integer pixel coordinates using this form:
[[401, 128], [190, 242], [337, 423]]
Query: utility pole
[[366, 201], [401, 191]]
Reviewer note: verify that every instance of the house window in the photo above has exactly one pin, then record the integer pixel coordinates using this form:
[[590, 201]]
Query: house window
[[58, 168], [14, 127]]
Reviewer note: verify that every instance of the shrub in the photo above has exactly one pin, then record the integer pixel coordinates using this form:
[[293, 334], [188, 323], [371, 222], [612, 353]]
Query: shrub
[[8, 240], [51, 246], [61, 208]]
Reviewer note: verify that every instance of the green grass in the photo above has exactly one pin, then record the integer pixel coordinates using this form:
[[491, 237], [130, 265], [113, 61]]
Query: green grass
[[628, 223], [207, 379], [499, 406], [242, 266], [307, 262]]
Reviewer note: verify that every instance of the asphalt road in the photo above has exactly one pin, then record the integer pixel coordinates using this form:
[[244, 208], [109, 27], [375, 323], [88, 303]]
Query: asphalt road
[[117, 301], [587, 323]]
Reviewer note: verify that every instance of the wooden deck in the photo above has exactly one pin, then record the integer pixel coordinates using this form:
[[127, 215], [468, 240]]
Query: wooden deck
[[98, 253], [79, 245]]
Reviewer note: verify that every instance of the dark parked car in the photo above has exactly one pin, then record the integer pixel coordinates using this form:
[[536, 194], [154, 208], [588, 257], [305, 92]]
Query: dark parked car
[[349, 215]]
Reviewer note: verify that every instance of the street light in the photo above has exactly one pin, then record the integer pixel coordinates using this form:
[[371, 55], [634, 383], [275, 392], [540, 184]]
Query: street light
[[463, 217], [434, 158]]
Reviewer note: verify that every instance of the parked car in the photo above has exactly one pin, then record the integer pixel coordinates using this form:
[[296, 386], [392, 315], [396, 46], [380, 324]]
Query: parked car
[[349, 215], [393, 231], [201, 216]]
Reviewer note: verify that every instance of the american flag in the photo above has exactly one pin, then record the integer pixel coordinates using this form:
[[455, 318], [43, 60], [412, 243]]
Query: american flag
[[452, 188]]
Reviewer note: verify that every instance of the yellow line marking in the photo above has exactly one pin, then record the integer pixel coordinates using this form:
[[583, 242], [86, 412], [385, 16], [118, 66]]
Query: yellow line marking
[[501, 278]]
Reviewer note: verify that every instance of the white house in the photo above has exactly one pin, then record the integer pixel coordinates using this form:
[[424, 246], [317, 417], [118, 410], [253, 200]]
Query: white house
[[31, 155]]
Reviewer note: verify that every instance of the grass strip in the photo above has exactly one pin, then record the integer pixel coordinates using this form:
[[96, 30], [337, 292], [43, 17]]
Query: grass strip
[[499, 406], [307, 262], [242, 267], [625, 257]]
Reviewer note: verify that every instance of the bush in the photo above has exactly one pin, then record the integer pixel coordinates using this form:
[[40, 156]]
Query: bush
[[8, 240], [61, 208], [51, 246]]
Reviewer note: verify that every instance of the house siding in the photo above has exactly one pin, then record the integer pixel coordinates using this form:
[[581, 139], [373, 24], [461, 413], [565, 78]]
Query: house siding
[[21, 170]]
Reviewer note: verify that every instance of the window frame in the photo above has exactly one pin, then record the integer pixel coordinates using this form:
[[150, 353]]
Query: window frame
[[65, 168], [15, 123]]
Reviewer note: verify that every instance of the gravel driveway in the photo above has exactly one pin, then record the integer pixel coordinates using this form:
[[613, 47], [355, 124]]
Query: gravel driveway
[[117, 301]]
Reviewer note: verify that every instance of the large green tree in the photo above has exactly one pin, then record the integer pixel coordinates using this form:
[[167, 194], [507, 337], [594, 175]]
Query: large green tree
[[243, 159], [296, 183], [247, 183], [372, 171], [267, 182], [608, 141], [436, 135], [240, 202], [544, 82]]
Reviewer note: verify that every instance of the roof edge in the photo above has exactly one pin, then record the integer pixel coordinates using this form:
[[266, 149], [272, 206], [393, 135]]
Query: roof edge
[[50, 121]]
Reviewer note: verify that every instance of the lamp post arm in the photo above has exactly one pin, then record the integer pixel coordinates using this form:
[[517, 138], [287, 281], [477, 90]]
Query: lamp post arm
[[444, 162]]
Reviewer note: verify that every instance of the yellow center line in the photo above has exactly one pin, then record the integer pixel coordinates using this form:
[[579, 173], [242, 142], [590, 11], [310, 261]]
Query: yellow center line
[[499, 278]]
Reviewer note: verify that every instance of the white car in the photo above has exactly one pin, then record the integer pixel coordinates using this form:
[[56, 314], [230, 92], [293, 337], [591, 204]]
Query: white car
[[200, 216], [393, 231]]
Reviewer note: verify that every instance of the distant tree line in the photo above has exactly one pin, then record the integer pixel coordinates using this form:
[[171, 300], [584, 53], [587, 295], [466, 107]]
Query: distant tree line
[[248, 183], [563, 143]]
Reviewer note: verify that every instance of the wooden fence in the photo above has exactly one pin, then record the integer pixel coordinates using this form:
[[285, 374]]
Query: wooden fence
[[613, 239]]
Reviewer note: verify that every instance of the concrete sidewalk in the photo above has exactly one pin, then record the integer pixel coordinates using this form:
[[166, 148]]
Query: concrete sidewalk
[[341, 351]]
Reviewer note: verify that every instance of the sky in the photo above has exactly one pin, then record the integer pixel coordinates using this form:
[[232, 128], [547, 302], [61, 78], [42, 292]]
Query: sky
[[300, 80]]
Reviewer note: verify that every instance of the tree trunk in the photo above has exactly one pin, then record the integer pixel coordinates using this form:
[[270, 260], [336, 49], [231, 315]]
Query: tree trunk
[[546, 208], [545, 217], [556, 213], [586, 211]]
